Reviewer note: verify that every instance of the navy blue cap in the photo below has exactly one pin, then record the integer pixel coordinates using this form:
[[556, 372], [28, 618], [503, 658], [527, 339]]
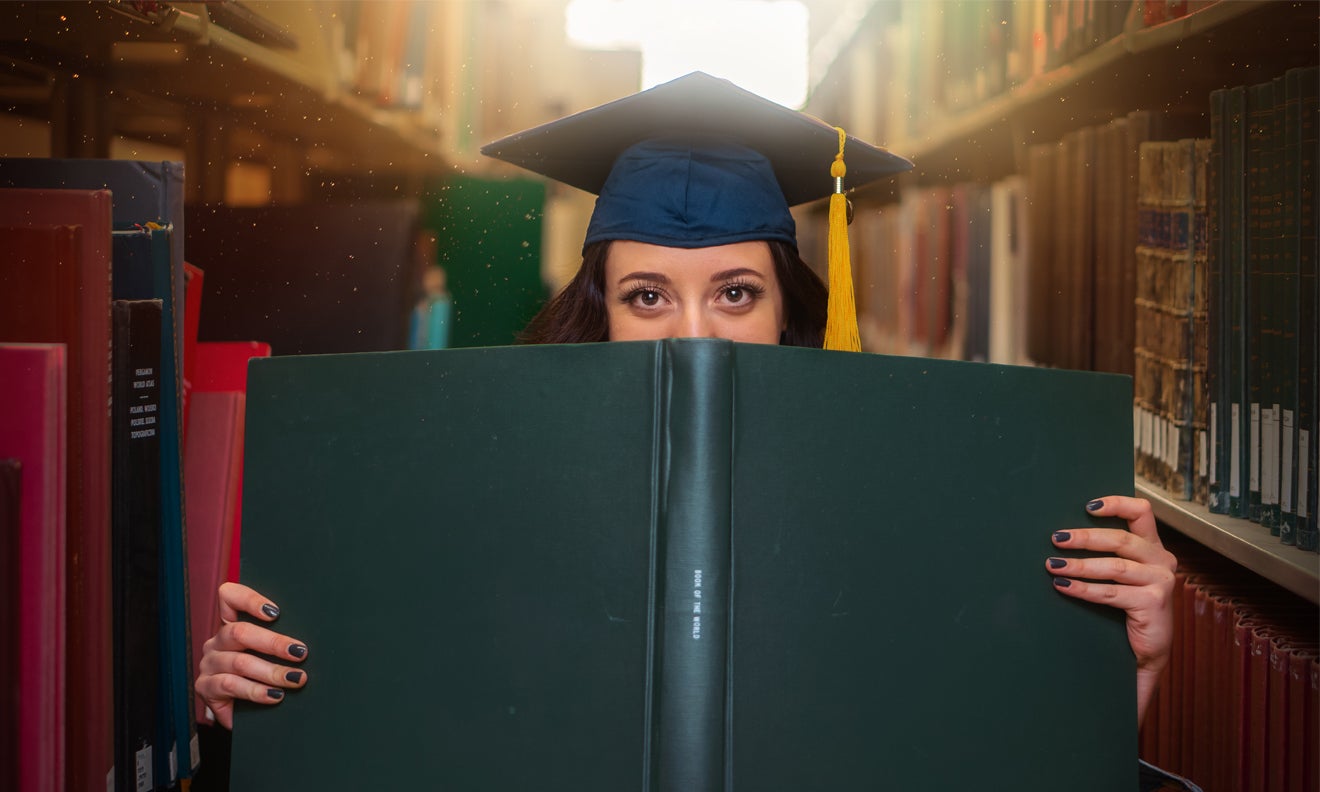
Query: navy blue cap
[[694, 162]]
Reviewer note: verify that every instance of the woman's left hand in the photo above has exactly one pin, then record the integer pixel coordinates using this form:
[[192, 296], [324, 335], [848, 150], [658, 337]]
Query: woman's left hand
[[1139, 579]]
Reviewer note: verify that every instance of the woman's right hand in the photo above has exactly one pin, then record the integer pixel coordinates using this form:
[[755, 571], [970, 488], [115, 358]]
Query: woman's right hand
[[228, 670]]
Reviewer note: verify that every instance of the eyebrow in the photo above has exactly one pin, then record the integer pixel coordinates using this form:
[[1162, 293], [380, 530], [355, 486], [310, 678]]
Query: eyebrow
[[650, 276], [718, 276], [734, 273]]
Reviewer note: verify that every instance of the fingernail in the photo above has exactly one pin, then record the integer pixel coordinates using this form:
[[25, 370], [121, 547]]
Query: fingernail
[[275, 693], [1057, 563], [297, 650], [293, 676], [1062, 582], [270, 610], [1062, 536], [1095, 505]]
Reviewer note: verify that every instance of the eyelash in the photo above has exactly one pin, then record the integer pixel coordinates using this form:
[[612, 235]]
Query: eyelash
[[753, 290]]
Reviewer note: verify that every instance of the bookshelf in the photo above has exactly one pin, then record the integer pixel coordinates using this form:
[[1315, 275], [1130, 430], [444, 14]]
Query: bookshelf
[[1226, 42], [175, 77], [1168, 68]]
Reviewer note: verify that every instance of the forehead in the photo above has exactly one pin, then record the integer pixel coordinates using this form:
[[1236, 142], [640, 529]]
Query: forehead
[[627, 257]]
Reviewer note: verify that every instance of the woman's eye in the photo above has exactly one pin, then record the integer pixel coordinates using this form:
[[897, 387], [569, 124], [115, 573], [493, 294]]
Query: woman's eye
[[648, 298], [735, 294]]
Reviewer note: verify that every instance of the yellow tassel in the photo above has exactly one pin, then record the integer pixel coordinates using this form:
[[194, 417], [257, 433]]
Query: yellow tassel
[[841, 317]]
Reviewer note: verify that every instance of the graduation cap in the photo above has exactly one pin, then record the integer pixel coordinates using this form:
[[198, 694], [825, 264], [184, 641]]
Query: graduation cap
[[698, 162]]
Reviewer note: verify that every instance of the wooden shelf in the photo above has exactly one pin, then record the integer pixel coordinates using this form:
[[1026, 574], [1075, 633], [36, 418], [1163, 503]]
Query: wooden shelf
[[1170, 68], [1242, 541], [159, 77]]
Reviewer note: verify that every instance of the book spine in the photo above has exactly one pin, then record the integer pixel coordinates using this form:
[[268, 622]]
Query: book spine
[[1236, 298], [1200, 454], [1289, 244], [1308, 339], [1217, 375], [135, 523], [1260, 112], [695, 428]]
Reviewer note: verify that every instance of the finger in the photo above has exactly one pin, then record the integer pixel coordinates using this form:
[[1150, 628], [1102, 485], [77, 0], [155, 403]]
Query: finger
[[252, 667], [1135, 511], [1133, 599], [245, 636], [236, 598], [219, 691], [1114, 540], [1111, 568]]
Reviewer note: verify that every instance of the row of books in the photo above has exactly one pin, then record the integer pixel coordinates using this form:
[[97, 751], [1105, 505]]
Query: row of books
[[953, 56], [1239, 708], [88, 498], [122, 434], [1261, 339], [1117, 251], [1171, 313]]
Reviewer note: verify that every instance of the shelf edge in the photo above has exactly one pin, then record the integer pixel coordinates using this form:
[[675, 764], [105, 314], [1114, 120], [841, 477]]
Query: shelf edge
[[1241, 541]]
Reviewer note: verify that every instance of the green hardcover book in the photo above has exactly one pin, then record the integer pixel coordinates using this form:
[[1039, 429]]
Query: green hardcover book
[[1217, 365], [1289, 265], [1259, 120], [681, 565], [1308, 323], [1236, 300]]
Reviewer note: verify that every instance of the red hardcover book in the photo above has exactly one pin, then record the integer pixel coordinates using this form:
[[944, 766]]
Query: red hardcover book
[[1298, 748], [1182, 760], [1312, 737], [212, 465], [11, 483], [223, 366], [1276, 760], [1223, 607], [32, 431], [1203, 685], [1259, 734], [49, 297]]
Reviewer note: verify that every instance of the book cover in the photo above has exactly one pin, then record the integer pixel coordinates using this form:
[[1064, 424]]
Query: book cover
[[681, 565], [33, 413], [212, 466], [55, 288], [136, 526], [222, 367]]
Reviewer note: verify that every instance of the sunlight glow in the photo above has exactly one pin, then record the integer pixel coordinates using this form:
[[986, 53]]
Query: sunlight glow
[[760, 45]]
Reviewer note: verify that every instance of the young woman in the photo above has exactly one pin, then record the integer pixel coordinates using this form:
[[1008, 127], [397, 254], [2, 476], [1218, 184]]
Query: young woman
[[692, 237]]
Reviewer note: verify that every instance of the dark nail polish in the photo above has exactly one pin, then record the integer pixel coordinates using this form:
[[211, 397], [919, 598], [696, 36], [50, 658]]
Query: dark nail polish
[[297, 650], [1062, 536], [1095, 505], [270, 610], [1062, 582], [275, 693], [293, 676], [1057, 563]]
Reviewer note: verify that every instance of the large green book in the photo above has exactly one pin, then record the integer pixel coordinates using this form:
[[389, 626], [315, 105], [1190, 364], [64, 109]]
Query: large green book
[[682, 565]]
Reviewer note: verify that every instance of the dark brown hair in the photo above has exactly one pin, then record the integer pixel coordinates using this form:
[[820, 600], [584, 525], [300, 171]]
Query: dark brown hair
[[577, 314]]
